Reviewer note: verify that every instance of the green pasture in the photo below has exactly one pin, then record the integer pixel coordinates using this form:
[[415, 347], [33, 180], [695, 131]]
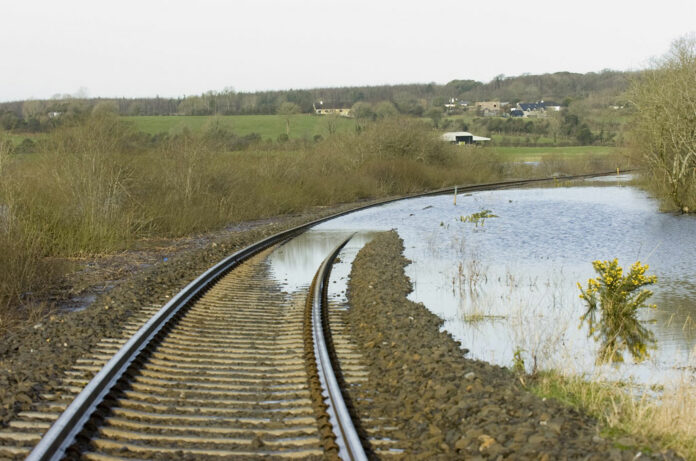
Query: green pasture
[[541, 141], [17, 138], [268, 126]]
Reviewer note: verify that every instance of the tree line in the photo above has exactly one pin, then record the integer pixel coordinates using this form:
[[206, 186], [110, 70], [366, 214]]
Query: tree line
[[409, 99]]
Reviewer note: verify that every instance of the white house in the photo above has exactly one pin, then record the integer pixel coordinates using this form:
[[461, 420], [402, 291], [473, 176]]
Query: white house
[[327, 109]]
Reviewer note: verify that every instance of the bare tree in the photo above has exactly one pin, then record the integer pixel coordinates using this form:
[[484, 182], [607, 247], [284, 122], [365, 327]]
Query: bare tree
[[287, 109], [664, 128]]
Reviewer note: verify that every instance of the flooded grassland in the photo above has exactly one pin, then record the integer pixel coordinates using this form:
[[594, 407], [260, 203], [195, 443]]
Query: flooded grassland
[[506, 286]]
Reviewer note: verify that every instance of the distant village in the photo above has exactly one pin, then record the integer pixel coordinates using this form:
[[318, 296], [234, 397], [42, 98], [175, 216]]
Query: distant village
[[485, 108], [538, 109]]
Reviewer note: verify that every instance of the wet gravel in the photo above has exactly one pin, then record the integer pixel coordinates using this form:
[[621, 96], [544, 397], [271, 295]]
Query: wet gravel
[[34, 357], [445, 405]]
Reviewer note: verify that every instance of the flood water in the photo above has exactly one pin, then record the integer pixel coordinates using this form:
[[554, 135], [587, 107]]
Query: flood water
[[510, 284], [294, 264]]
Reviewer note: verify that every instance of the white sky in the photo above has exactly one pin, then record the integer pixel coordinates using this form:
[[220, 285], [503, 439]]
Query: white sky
[[173, 48]]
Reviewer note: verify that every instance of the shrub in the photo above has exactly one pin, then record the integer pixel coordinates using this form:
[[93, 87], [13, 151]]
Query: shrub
[[404, 138], [478, 217], [618, 297]]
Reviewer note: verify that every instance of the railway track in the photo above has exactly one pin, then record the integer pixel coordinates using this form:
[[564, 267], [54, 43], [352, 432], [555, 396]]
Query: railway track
[[230, 367], [231, 373]]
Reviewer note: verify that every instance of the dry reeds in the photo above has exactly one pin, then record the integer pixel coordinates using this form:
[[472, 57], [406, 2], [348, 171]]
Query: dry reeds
[[98, 185], [667, 420]]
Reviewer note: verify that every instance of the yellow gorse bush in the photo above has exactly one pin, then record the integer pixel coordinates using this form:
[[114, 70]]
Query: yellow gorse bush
[[479, 217], [617, 298]]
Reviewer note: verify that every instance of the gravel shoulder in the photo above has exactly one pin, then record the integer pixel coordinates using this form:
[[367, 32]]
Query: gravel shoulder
[[445, 405]]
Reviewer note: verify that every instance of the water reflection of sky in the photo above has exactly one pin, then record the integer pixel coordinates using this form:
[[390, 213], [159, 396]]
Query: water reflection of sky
[[510, 283], [295, 263]]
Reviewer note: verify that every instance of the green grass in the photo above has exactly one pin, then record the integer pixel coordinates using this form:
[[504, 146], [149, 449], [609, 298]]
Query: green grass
[[17, 138], [535, 154], [524, 140], [268, 126]]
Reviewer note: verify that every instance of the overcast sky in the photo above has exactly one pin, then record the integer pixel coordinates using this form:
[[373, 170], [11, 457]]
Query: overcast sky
[[174, 48]]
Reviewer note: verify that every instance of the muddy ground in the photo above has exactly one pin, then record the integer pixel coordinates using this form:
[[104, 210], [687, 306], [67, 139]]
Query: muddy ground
[[445, 405]]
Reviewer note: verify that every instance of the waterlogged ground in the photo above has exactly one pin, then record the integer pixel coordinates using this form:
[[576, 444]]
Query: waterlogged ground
[[510, 284], [295, 263]]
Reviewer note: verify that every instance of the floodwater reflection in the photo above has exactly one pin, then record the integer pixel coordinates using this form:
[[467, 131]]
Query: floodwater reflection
[[510, 285], [294, 263]]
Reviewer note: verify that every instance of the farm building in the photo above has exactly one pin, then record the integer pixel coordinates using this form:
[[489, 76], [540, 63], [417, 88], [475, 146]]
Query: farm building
[[489, 108], [322, 108], [463, 137]]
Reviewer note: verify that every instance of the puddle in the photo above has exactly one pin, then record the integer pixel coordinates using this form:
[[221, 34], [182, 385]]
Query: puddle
[[295, 263], [78, 303], [623, 177]]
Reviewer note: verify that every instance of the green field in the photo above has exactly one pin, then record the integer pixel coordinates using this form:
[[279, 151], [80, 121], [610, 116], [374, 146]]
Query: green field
[[535, 154], [17, 138], [302, 126]]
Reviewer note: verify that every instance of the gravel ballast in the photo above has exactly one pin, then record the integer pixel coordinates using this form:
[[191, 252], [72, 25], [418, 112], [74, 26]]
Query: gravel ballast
[[35, 357], [445, 405]]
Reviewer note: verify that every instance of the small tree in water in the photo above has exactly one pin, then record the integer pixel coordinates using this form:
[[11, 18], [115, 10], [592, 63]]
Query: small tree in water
[[618, 297]]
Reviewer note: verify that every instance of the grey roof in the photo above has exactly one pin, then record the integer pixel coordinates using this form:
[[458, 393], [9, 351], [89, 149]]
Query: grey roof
[[539, 105], [528, 106]]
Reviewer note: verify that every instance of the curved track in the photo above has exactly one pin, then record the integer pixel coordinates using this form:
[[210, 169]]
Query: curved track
[[222, 370], [227, 375]]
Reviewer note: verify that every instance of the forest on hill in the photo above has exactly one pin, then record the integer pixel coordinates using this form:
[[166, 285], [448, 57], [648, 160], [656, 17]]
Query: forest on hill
[[596, 89]]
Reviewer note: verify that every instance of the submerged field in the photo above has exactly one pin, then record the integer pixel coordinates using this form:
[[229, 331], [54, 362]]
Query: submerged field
[[506, 290], [536, 154]]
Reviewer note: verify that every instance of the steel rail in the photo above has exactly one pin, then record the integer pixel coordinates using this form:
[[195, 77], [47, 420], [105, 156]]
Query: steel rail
[[349, 445], [62, 434]]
